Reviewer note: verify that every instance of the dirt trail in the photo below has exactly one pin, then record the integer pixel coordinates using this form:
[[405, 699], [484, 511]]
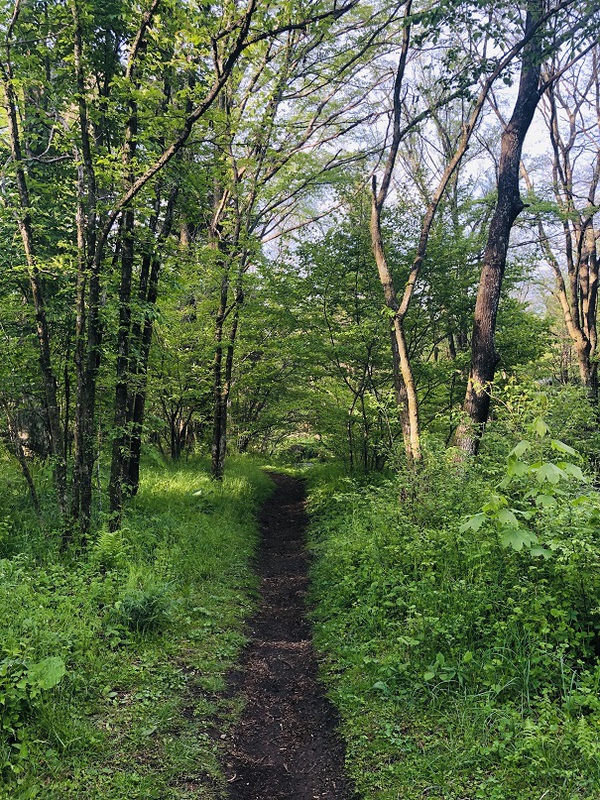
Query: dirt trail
[[285, 745]]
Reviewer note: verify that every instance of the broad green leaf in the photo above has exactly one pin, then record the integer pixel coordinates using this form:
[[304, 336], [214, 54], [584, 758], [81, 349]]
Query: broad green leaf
[[561, 447], [549, 472], [574, 471], [495, 502], [540, 427], [409, 641], [47, 673], [520, 449], [506, 517], [518, 468], [428, 676], [541, 551], [545, 501], [473, 523], [517, 538], [381, 686]]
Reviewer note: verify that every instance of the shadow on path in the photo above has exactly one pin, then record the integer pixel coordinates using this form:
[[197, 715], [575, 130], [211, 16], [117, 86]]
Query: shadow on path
[[285, 746]]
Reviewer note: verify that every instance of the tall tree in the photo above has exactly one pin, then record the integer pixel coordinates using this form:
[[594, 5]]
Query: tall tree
[[460, 86], [571, 110], [484, 357]]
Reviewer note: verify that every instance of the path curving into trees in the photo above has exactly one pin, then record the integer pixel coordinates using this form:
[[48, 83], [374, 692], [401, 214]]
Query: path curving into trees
[[285, 744]]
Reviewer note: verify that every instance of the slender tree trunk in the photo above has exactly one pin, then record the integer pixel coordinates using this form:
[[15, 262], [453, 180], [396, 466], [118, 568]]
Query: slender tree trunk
[[227, 383], [86, 220], [410, 388], [508, 206], [119, 454], [78, 514], [141, 338], [219, 436], [43, 330], [138, 397], [401, 394]]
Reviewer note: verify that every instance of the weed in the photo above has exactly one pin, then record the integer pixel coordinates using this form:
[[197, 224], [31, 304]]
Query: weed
[[109, 551], [144, 609], [461, 668], [119, 724]]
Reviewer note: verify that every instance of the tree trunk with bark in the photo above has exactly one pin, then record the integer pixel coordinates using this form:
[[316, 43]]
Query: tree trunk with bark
[[25, 225], [141, 341], [508, 206]]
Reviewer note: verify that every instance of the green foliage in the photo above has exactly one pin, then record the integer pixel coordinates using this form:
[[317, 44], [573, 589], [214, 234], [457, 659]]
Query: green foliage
[[537, 507], [109, 551], [21, 686], [148, 622], [143, 608], [462, 666]]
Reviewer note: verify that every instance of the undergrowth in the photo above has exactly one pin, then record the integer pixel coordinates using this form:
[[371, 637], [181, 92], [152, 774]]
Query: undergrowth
[[462, 655], [112, 661]]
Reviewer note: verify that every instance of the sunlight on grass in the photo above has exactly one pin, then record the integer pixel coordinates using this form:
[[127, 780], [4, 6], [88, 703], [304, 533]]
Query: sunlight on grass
[[147, 622]]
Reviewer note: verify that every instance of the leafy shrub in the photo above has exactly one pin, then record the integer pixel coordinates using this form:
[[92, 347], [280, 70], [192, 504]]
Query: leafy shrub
[[110, 549], [480, 659], [144, 609], [21, 687]]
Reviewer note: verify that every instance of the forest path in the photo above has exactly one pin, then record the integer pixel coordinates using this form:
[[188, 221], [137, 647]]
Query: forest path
[[285, 745]]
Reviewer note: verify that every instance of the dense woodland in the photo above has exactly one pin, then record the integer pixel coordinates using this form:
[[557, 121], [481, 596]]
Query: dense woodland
[[357, 239]]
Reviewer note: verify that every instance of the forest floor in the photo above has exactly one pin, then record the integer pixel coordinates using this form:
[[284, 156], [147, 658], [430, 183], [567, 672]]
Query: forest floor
[[285, 744]]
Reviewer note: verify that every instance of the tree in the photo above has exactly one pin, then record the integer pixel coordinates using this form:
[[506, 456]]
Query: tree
[[532, 85], [571, 111], [103, 120]]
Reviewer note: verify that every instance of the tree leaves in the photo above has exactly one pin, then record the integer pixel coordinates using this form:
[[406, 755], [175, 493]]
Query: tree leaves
[[517, 538], [533, 496], [473, 523], [549, 472]]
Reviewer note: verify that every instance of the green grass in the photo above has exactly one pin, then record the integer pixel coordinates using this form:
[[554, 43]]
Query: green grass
[[147, 623], [462, 670]]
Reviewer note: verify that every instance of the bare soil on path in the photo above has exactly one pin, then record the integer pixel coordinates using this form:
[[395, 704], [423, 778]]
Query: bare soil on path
[[285, 745]]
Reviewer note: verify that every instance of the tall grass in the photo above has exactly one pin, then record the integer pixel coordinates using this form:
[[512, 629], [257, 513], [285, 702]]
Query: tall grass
[[147, 622], [461, 669]]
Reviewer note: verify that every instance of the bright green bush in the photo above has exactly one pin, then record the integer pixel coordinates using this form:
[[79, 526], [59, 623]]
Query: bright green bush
[[144, 608], [462, 667]]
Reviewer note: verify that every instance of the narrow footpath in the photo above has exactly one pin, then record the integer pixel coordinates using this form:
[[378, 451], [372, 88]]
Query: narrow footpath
[[285, 746]]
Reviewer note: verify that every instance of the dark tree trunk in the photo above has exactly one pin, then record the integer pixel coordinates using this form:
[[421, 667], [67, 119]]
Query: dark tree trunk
[[508, 206], [87, 354], [219, 435], [141, 338], [119, 452]]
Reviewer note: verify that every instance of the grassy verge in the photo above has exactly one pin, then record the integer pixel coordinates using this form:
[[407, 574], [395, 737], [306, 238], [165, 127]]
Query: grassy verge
[[463, 670], [144, 626]]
